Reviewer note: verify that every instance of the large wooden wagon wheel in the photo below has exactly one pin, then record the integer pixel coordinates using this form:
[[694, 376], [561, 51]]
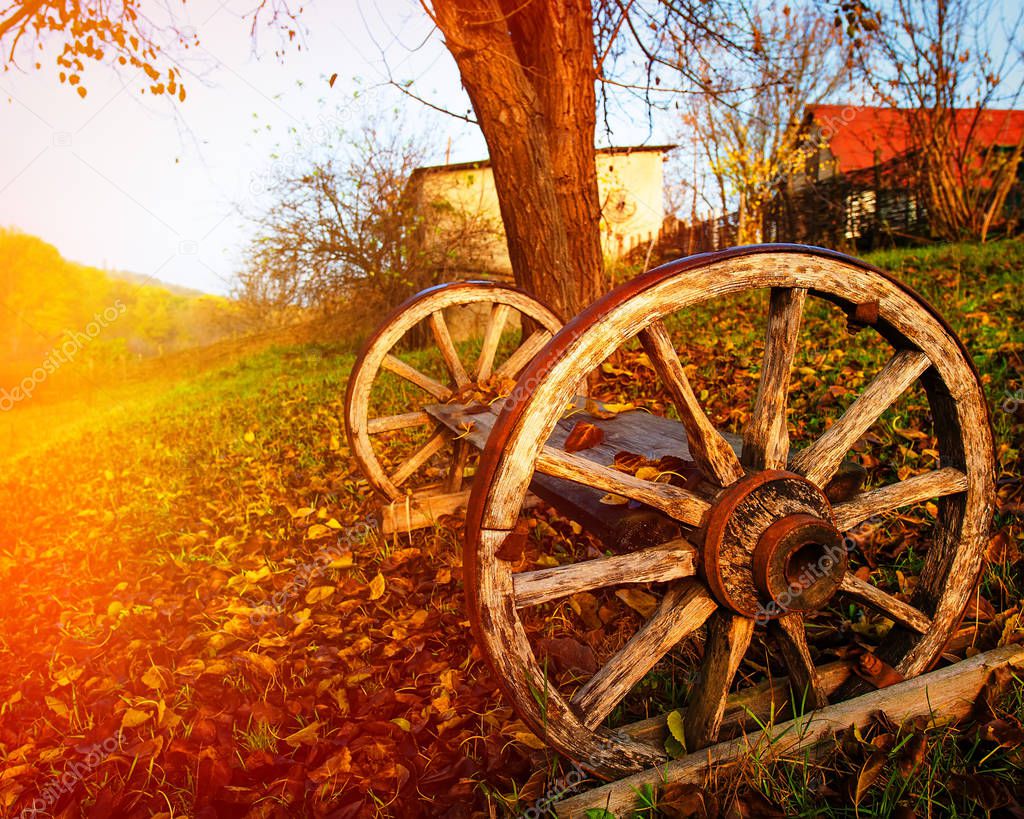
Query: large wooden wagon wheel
[[763, 544], [378, 355]]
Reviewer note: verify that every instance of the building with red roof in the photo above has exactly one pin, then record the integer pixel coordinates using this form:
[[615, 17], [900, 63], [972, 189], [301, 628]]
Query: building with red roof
[[857, 138], [860, 173]]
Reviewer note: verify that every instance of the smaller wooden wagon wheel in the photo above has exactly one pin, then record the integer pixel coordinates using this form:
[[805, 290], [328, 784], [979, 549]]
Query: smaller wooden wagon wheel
[[378, 356], [762, 544]]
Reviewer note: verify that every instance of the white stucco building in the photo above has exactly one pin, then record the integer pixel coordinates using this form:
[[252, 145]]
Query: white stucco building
[[630, 187]]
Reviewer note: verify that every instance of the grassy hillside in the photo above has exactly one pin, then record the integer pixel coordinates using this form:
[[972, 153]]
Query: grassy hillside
[[144, 534], [80, 324]]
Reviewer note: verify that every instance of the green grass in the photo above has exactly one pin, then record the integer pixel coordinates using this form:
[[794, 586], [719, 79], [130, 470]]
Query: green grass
[[927, 767], [260, 382], [170, 485]]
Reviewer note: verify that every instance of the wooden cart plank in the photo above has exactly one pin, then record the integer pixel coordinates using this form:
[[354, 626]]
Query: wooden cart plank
[[618, 527], [634, 431], [764, 701], [945, 694], [420, 511], [423, 510]]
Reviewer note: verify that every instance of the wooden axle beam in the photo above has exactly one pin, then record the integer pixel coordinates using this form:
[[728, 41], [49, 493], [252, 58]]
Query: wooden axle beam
[[943, 695]]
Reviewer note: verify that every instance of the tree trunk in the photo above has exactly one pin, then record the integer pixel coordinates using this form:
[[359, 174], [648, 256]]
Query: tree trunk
[[529, 71]]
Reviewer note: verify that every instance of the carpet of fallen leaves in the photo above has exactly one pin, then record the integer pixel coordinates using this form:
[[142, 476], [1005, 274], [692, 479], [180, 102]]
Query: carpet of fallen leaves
[[199, 617], [198, 620]]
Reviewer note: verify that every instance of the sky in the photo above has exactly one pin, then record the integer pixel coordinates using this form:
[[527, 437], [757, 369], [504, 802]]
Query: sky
[[128, 181], [133, 182]]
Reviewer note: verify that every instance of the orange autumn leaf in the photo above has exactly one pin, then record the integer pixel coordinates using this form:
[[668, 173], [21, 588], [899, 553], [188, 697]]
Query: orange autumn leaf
[[584, 435], [377, 586], [304, 736], [134, 717]]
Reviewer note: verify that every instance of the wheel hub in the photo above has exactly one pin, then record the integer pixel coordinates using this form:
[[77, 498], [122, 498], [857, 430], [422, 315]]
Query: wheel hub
[[771, 547]]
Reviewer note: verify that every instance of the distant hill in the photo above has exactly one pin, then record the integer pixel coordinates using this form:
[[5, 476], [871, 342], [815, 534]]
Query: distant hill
[[54, 310], [139, 278]]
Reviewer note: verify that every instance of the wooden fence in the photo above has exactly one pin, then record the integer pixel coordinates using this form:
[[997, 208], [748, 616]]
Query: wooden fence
[[843, 214]]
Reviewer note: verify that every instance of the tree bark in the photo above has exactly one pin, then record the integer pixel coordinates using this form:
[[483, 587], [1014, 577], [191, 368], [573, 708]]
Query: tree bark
[[528, 68]]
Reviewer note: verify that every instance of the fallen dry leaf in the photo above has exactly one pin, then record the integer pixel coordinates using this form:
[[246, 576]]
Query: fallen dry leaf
[[377, 586], [134, 717], [640, 601], [307, 735], [583, 435]]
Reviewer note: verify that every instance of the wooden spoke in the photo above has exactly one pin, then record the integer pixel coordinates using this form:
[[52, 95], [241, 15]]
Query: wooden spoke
[[715, 458], [674, 501], [684, 608], [523, 355], [389, 423], [492, 337], [379, 357], [414, 376], [820, 460], [439, 327], [669, 561], [420, 457], [790, 636], [534, 419], [937, 484], [766, 439], [460, 453], [728, 638], [886, 604]]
